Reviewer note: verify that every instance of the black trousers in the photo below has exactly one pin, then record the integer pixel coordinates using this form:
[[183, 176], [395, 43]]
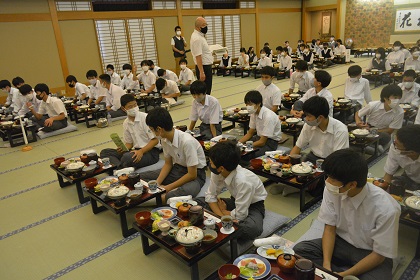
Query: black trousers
[[209, 77]]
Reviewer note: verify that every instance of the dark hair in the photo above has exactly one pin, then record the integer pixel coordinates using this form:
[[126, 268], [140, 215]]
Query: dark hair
[[177, 27], [249, 49], [25, 89], [266, 44], [313, 41], [267, 50], [4, 83], [414, 48], [323, 77], [253, 96], [346, 166], [160, 83], [17, 81], [183, 61], [242, 50], [42, 88], [381, 51], [410, 73], [390, 90], [409, 136], [354, 70], [198, 87], [268, 70], [226, 154], [301, 65], [286, 42], [127, 67], [145, 62], [91, 73], [325, 44], [339, 41], [71, 78], [151, 63], [279, 48], [110, 66], [160, 72], [397, 43], [316, 106], [106, 78], [159, 117], [127, 98]]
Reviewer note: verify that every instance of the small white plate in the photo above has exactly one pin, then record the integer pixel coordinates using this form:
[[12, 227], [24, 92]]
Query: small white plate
[[152, 192], [249, 150], [262, 251], [192, 202], [222, 230]]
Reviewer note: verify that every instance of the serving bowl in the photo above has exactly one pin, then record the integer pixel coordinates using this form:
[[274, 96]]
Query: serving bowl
[[190, 237], [292, 120], [58, 161], [91, 183], [209, 236], [413, 206], [360, 132], [143, 218], [75, 167], [243, 113], [294, 95], [256, 163], [343, 101], [229, 269], [286, 263], [89, 170], [301, 169], [118, 192]]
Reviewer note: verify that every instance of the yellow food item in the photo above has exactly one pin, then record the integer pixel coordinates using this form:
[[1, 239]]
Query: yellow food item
[[179, 203], [396, 197], [267, 166], [183, 224], [270, 251], [155, 226]]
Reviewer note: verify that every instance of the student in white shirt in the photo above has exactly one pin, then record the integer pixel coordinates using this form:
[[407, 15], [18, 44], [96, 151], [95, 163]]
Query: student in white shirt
[[225, 62], [206, 108], [11, 92], [167, 75], [184, 171], [137, 137], [413, 62], [115, 78], [379, 61], [285, 62], [27, 94], [404, 153], [186, 76], [307, 55], [410, 89], [321, 80], [252, 55], [169, 90], [270, 92], [340, 49], [406, 52], [146, 77], [82, 91], [178, 44], [327, 54], [113, 103], [385, 115], [51, 114], [153, 68], [302, 77], [288, 48], [265, 60], [356, 87], [300, 49], [396, 56], [321, 132], [129, 81], [361, 222], [246, 204], [263, 122], [243, 60], [97, 92]]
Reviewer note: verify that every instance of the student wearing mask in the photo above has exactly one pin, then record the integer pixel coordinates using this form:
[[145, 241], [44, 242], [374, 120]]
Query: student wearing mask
[[327, 54], [265, 60], [97, 92], [153, 68], [252, 55], [243, 60], [379, 61], [115, 78], [356, 87], [302, 77], [113, 104], [225, 62], [307, 55], [397, 55], [285, 62], [410, 89], [137, 137], [82, 91], [206, 108], [288, 48], [146, 77], [270, 92], [178, 44], [27, 95], [186, 76], [385, 115], [413, 62], [12, 93], [129, 79], [167, 75]]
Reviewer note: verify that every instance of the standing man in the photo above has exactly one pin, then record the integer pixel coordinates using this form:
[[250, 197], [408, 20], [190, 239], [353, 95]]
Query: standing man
[[178, 44], [201, 53]]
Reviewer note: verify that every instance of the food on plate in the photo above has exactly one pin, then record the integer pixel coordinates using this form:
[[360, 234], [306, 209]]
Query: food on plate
[[267, 166], [155, 226], [301, 168], [162, 214], [231, 276], [184, 224], [360, 131], [286, 166], [274, 252], [250, 267], [179, 203]]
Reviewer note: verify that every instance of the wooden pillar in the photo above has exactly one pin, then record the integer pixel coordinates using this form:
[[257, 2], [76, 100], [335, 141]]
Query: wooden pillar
[[257, 26], [338, 21]]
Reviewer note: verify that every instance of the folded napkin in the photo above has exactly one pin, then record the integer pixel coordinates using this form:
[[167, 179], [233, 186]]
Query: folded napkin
[[272, 240], [123, 171], [179, 198]]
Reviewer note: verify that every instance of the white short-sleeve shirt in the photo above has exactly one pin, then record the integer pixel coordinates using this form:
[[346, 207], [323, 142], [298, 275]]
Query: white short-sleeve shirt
[[368, 220], [396, 160], [379, 118], [186, 75], [285, 62], [170, 88], [113, 98], [128, 82], [323, 93], [243, 62], [266, 61], [137, 132], [170, 76], [411, 63], [148, 79], [358, 91], [304, 83], [396, 57], [97, 91], [116, 79], [81, 89], [411, 95], [52, 107], [199, 46], [209, 113], [20, 107], [266, 123], [271, 95]]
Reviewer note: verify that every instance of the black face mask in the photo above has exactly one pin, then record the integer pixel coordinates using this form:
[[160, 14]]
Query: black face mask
[[71, 85], [214, 170], [39, 97], [204, 30]]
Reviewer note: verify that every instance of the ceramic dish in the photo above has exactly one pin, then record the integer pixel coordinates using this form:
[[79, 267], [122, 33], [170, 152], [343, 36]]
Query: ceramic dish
[[292, 120], [301, 169], [343, 101], [262, 266], [360, 132], [75, 166], [262, 251], [109, 180], [189, 201], [164, 212], [294, 95], [405, 106], [413, 202], [118, 192]]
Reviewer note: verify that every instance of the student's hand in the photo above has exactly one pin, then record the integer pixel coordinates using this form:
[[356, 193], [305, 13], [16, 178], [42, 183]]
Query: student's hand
[[137, 155], [298, 114], [362, 125], [202, 76], [181, 52], [29, 104], [327, 266], [222, 204], [119, 150], [142, 91], [134, 70], [48, 122]]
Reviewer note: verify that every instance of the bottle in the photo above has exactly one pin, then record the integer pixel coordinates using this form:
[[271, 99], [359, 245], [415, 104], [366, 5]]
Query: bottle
[[109, 119]]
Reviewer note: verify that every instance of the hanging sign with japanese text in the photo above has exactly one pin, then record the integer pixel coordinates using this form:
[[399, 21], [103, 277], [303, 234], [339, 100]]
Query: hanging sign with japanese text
[[407, 19]]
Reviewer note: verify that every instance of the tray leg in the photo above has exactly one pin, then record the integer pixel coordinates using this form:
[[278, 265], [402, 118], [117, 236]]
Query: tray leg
[[126, 232], [147, 248], [194, 272], [82, 198]]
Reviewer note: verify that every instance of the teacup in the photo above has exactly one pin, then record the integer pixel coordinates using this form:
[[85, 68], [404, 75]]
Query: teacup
[[138, 187], [274, 168], [105, 161], [249, 145], [153, 185], [227, 223], [319, 163]]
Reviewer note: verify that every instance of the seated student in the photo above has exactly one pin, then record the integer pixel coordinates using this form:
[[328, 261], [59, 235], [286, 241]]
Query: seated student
[[97, 92], [270, 52], [153, 68], [270, 92], [318, 47], [397, 55], [285, 62], [300, 42], [321, 132], [410, 89], [51, 114], [321, 80], [226, 61], [265, 60], [327, 54], [26, 95], [361, 222], [300, 49], [413, 62], [246, 204], [263, 122], [243, 60], [356, 87], [17, 82], [332, 43], [307, 55], [379, 61], [385, 115], [252, 55], [113, 103], [302, 77], [288, 48], [169, 90], [137, 137], [340, 49], [128, 81], [313, 44], [167, 75], [406, 52], [184, 171], [82, 91], [186, 76], [206, 108], [404, 153], [11, 92], [115, 78], [146, 77]]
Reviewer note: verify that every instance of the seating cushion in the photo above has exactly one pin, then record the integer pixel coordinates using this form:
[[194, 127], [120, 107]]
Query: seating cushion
[[157, 165], [68, 128]]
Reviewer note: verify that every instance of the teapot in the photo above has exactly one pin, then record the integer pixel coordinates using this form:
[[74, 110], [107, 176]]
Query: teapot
[[196, 215], [102, 122]]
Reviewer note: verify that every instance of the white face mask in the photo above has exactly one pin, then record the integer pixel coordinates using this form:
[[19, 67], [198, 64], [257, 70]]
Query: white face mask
[[397, 48], [416, 54], [313, 123], [378, 55], [145, 68], [93, 81], [110, 72], [29, 96], [408, 85], [334, 189], [103, 85], [178, 33], [127, 72], [183, 66], [353, 80], [306, 51], [266, 82], [133, 111], [394, 103], [251, 109], [283, 54], [262, 55]]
